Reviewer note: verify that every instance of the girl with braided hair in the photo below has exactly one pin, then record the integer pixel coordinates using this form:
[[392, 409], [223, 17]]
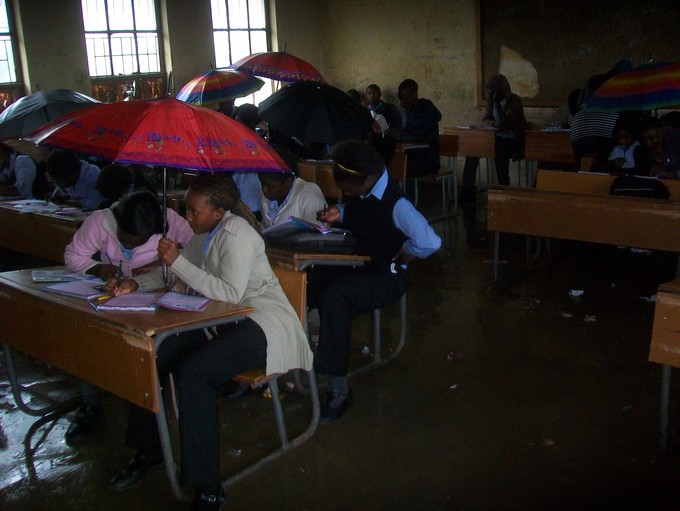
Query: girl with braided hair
[[224, 261]]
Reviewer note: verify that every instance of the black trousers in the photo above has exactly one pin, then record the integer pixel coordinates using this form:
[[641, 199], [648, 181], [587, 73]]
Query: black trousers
[[200, 366], [342, 293]]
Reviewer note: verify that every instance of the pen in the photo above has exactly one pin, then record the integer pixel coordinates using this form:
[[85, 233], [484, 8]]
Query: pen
[[92, 304], [119, 274], [100, 298]]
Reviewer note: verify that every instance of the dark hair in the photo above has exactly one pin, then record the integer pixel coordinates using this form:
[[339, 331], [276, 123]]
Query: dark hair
[[408, 86], [287, 156], [374, 87], [139, 214], [221, 192], [355, 161], [62, 164], [648, 123], [354, 94], [114, 181], [248, 115]]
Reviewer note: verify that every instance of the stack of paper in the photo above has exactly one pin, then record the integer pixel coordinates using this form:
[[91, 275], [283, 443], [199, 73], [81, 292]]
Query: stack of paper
[[133, 302]]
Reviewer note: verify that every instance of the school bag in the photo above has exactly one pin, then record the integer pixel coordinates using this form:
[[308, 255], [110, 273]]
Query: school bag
[[635, 186]]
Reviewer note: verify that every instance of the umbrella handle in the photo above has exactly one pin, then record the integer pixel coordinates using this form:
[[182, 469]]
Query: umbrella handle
[[164, 266]]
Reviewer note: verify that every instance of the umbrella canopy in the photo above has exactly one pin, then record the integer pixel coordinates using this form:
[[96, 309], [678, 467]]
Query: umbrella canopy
[[30, 112], [278, 65], [162, 132], [316, 112], [646, 87], [219, 85]]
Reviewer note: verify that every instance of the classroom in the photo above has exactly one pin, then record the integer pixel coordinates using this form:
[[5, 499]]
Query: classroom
[[508, 393]]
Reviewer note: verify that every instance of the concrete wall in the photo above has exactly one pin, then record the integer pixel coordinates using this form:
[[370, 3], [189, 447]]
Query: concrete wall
[[353, 43]]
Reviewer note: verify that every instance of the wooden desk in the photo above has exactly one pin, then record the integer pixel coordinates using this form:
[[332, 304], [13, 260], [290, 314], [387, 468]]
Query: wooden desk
[[476, 142], [589, 182], [115, 351], [35, 235], [665, 345], [546, 146], [606, 219], [321, 173], [301, 261]]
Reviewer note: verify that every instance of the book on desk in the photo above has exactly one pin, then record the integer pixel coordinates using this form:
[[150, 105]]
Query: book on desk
[[300, 235], [141, 302]]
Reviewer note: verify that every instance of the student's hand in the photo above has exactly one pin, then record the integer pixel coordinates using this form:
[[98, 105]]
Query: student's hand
[[126, 286], [328, 215], [104, 271], [403, 257], [619, 162], [168, 251]]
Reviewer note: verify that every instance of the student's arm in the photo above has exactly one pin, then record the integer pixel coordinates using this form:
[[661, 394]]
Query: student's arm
[[422, 240], [178, 228], [86, 242]]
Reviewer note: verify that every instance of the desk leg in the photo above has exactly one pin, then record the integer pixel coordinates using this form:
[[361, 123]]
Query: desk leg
[[18, 389], [166, 447], [665, 395], [496, 251]]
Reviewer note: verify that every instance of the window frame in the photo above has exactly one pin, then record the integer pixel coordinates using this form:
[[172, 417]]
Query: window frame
[[11, 91], [109, 33]]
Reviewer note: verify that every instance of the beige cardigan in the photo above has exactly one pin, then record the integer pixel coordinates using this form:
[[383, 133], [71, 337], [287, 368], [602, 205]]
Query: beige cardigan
[[235, 269]]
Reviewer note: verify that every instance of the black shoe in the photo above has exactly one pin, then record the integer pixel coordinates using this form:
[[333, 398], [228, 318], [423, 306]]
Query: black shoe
[[82, 422], [234, 389], [136, 469], [334, 406], [207, 501]]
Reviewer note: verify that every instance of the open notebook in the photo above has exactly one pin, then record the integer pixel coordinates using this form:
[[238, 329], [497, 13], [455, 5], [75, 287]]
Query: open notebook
[[132, 302]]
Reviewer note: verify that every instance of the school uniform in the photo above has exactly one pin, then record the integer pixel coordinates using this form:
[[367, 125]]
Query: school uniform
[[304, 200], [84, 189], [383, 222], [228, 264]]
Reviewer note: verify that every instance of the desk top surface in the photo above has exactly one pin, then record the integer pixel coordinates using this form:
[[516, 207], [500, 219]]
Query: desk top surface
[[296, 259], [149, 323]]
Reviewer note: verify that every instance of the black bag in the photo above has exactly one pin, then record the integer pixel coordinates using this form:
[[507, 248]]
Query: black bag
[[315, 242], [634, 186]]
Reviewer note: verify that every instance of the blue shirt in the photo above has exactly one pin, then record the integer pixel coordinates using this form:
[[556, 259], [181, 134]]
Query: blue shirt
[[250, 188], [83, 190], [422, 241]]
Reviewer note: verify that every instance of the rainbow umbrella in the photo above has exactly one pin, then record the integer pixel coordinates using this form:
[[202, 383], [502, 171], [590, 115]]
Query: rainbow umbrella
[[219, 85], [647, 87], [278, 65]]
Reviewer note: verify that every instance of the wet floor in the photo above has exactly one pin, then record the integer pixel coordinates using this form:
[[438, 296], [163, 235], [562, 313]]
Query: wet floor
[[503, 398]]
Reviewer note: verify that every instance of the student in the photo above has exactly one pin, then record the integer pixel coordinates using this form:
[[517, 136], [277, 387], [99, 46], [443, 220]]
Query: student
[[285, 194], [225, 261], [662, 145], [389, 230], [247, 182], [420, 124], [504, 111], [20, 175], [377, 106], [76, 178], [628, 155], [115, 180], [125, 236]]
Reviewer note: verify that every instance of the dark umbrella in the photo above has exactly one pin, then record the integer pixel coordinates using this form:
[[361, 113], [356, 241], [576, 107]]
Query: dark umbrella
[[30, 112], [316, 112]]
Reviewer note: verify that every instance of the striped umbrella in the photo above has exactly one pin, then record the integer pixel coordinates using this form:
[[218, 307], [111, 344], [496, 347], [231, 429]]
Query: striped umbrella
[[219, 85], [647, 87]]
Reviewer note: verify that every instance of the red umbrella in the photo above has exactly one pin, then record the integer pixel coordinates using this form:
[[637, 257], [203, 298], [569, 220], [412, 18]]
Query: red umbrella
[[161, 132], [278, 65], [219, 85]]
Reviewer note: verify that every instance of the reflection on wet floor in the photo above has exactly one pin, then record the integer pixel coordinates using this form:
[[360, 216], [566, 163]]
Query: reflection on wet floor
[[503, 398]]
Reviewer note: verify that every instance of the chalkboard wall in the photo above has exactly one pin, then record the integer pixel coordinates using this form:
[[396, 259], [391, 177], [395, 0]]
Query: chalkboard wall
[[568, 41]]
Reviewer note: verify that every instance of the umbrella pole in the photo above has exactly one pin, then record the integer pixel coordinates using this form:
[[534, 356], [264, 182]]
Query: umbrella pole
[[165, 220]]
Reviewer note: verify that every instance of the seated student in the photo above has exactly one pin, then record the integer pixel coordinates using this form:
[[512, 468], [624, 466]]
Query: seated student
[[126, 236], [504, 111], [420, 124], [115, 180], [20, 175], [285, 194], [662, 144], [225, 261], [389, 230], [377, 106], [247, 182], [628, 155], [75, 178]]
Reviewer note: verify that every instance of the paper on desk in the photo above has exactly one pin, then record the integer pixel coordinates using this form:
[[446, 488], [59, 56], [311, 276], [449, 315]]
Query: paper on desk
[[63, 275], [86, 289]]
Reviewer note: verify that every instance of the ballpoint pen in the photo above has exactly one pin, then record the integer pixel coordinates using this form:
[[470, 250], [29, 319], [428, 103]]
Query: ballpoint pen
[[119, 274]]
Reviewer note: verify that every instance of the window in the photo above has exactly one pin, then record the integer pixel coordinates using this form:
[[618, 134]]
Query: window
[[240, 28], [121, 37], [8, 70]]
